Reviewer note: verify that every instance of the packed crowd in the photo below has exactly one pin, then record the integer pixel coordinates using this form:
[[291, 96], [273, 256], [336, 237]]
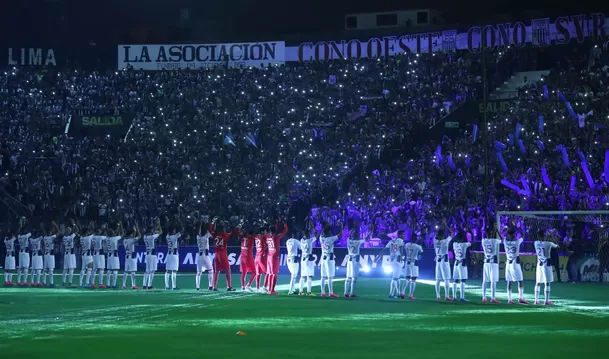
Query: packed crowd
[[225, 141], [538, 150], [257, 142]]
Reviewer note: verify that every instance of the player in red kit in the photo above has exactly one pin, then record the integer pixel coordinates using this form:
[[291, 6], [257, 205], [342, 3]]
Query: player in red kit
[[246, 261], [273, 241], [260, 260], [221, 238]]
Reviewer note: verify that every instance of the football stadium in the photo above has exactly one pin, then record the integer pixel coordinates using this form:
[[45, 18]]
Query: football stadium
[[192, 179]]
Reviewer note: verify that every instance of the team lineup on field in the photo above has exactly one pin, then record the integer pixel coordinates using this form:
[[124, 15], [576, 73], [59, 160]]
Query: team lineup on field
[[100, 253]]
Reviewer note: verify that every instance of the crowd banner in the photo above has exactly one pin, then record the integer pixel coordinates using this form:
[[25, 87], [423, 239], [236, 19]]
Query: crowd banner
[[99, 125], [539, 32], [196, 56], [29, 56], [589, 267], [367, 255], [528, 264]]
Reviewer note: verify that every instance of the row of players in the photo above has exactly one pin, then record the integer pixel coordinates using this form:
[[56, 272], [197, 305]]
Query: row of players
[[101, 244]]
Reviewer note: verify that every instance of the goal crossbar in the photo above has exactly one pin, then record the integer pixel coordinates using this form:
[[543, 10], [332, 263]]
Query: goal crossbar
[[539, 214]]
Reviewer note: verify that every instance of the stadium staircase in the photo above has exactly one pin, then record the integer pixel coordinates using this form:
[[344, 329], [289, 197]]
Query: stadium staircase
[[11, 208], [509, 88]]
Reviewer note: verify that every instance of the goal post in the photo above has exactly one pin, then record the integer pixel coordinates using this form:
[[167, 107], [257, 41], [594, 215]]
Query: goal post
[[589, 228]]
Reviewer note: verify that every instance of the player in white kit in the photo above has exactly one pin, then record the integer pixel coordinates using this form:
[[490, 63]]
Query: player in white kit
[[173, 259], [307, 264], [133, 237], [411, 267], [460, 273], [544, 273], [24, 255], [86, 249], [328, 263], [442, 262], [513, 270], [490, 270], [9, 259], [69, 258], [151, 257], [99, 259], [354, 243], [111, 249], [396, 248], [203, 261], [49, 253], [37, 265], [293, 260]]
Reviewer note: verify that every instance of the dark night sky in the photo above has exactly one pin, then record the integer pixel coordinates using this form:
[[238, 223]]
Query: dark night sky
[[111, 21]]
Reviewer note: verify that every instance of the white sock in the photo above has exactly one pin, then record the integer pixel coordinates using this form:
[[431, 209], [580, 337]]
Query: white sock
[[124, 279], [438, 288], [44, 276], [331, 284], [174, 281], [455, 290], [483, 290], [166, 280], [210, 278], [301, 283], [413, 285], [5, 277], [493, 290], [83, 271], [446, 286], [26, 275], [101, 276], [109, 279], [394, 289], [462, 290], [10, 277], [520, 292], [19, 275], [114, 278], [94, 277], [309, 284], [353, 281], [292, 283], [546, 292], [150, 279], [133, 280], [323, 285], [537, 292], [198, 280], [89, 272], [145, 283], [70, 275], [38, 272], [347, 285], [403, 286]]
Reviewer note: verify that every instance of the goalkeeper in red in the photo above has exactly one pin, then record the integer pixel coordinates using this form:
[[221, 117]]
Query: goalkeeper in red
[[273, 243]]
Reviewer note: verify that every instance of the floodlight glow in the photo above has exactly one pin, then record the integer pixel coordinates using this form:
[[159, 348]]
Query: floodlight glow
[[366, 269], [387, 270]]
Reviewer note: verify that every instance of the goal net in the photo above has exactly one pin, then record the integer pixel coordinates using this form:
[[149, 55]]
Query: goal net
[[583, 238]]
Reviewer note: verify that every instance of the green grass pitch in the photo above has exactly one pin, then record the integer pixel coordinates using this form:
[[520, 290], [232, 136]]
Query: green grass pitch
[[70, 323]]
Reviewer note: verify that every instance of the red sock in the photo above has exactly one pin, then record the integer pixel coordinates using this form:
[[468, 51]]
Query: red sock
[[216, 275], [258, 281], [249, 284], [274, 282], [228, 279], [266, 280], [243, 275]]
